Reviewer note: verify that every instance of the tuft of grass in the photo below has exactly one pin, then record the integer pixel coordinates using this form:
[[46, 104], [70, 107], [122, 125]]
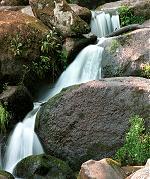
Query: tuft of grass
[[135, 150], [4, 116]]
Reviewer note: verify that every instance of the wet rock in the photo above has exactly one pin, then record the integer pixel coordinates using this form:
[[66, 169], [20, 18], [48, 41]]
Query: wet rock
[[90, 120], [18, 102], [59, 14], [83, 12], [5, 175], [103, 169], [43, 166], [73, 46], [127, 54]]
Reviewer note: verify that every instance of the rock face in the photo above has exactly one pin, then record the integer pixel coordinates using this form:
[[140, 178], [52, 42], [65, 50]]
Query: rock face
[[14, 2], [83, 12], [126, 55], [18, 101], [5, 175], [20, 43], [103, 169], [73, 46], [90, 120], [59, 14], [43, 166], [142, 173]]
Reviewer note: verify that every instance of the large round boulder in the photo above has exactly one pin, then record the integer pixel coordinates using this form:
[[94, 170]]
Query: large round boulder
[[90, 120], [17, 101], [59, 14], [43, 166], [127, 54]]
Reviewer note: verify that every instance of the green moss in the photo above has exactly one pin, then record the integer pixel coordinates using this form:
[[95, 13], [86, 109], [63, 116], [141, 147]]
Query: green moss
[[43, 165], [113, 46], [6, 174], [144, 71], [4, 116]]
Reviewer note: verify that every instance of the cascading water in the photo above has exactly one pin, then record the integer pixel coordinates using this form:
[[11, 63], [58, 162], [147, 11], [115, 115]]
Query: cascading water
[[103, 23], [86, 67]]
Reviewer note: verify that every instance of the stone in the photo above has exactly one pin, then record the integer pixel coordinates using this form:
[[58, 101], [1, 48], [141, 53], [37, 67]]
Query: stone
[[18, 102], [43, 166], [127, 54], [83, 12], [14, 2], [142, 173], [90, 120], [20, 43], [5, 175], [72, 46], [27, 10], [59, 14], [103, 169]]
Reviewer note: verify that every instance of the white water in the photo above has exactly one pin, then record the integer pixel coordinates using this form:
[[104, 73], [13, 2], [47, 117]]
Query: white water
[[86, 67], [103, 23]]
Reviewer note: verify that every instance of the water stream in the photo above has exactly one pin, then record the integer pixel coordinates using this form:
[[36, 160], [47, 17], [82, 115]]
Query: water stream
[[86, 67]]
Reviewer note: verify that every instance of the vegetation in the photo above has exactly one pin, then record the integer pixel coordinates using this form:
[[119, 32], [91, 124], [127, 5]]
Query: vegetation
[[4, 116], [114, 45], [145, 71], [137, 143], [127, 16], [16, 45]]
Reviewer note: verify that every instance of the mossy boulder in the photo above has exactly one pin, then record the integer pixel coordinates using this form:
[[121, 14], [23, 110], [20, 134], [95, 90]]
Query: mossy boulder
[[5, 175], [44, 166], [59, 14], [18, 102], [90, 120], [21, 39]]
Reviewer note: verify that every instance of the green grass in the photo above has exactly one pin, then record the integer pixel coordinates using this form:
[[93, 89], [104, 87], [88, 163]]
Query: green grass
[[4, 116]]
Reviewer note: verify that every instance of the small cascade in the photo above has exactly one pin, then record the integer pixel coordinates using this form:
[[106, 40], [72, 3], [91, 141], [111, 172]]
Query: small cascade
[[103, 23], [23, 141]]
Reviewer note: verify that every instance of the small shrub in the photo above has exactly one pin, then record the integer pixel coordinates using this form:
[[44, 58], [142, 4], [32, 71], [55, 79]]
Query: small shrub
[[145, 71], [4, 116], [137, 144], [127, 16], [16, 45]]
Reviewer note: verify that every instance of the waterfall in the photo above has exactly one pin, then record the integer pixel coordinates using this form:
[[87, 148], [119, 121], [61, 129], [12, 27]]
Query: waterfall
[[103, 23], [23, 141], [86, 67]]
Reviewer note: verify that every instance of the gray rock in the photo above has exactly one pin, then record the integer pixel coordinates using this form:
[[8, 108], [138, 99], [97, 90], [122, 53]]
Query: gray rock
[[127, 54], [90, 120], [14, 2]]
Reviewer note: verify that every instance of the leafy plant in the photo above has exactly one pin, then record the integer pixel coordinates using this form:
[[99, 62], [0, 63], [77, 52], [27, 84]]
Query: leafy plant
[[16, 45], [127, 16], [4, 115], [145, 71], [137, 144]]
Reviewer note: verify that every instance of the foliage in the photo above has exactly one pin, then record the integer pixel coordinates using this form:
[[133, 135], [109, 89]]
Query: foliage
[[145, 71], [4, 116], [114, 45], [127, 16], [137, 143], [16, 45]]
